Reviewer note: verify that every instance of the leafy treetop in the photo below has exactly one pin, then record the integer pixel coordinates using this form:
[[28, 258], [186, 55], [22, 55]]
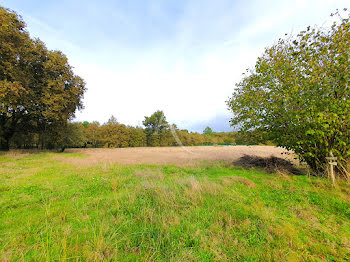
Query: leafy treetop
[[299, 93]]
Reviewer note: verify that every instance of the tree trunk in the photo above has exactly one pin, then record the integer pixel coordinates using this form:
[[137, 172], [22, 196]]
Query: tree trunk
[[8, 130], [4, 144]]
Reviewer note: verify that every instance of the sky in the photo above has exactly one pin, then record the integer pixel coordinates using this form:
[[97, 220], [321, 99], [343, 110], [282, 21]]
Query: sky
[[182, 57]]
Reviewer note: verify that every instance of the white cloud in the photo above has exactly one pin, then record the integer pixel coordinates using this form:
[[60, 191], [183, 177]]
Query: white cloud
[[189, 70], [188, 88]]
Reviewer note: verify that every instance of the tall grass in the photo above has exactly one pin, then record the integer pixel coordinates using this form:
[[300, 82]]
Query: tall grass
[[54, 211]]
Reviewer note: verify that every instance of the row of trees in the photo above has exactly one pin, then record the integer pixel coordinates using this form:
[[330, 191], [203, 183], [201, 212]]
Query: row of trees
[[156, 132], [39, 94]]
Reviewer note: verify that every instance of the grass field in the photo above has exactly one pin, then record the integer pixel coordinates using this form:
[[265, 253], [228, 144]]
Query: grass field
[[51, 209]]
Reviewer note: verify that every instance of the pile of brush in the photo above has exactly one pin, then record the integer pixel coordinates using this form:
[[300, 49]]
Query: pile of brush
[[270, 164]]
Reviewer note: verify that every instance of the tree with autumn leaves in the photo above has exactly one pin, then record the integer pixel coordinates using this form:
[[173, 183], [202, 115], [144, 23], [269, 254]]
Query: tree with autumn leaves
[[39, 91], [156, 132]]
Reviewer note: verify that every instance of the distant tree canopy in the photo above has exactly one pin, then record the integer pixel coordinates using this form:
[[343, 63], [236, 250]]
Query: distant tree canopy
[[299, 94], [156, 129], [38, 90], [208, 131], [113, 134]]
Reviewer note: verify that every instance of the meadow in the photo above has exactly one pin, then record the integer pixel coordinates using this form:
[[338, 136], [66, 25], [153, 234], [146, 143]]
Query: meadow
[[54, 208]]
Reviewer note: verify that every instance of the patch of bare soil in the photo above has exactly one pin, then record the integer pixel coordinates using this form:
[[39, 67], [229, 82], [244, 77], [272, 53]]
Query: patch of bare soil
[[181, 156]]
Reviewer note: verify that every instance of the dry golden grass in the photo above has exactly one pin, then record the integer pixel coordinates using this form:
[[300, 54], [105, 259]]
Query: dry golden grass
[[180, 156], [15, 154]]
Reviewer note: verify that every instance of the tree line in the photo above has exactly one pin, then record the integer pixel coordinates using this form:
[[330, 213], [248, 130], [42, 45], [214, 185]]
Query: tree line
[[39, 94], [112, 134]]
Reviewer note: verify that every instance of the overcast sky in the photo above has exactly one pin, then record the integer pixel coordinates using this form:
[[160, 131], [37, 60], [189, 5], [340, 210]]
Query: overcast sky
[[182, 57]]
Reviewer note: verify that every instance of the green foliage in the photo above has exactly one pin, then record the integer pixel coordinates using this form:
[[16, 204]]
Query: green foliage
[[38, 89], [251, 137], [137, 137], [156, 129], [51, 211], [73, 136], [299, 94], [208, 131], [114, 134], [93, 134]]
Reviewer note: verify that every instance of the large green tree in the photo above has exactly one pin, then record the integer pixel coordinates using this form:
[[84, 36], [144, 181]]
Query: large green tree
[[299, 93], [208, 131], [38, 89], [156, 129]]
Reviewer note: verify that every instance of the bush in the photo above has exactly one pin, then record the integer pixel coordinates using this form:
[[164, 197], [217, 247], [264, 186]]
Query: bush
[[270, 164], [298, 93]]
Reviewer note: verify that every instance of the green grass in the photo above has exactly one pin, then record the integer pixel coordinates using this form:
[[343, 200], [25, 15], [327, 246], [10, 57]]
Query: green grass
[[54, 211]]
